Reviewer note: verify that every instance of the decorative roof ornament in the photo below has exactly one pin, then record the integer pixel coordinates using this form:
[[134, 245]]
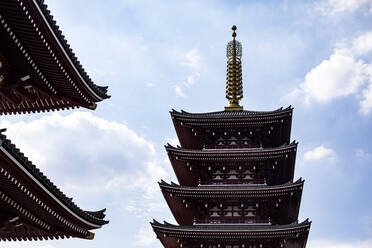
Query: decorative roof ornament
[[234, 83]]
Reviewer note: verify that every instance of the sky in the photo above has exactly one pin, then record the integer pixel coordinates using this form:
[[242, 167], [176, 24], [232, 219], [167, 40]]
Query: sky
[[158, 55]]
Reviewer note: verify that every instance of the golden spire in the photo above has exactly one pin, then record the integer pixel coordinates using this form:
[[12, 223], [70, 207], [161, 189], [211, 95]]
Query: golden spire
[[234, 83]]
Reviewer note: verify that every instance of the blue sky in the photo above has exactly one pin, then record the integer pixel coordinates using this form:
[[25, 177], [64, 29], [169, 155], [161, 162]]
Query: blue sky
[[159, 55]]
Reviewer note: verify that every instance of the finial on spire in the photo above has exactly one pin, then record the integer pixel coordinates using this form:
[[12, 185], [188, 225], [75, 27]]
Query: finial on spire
[[234, 84], [234, 34]]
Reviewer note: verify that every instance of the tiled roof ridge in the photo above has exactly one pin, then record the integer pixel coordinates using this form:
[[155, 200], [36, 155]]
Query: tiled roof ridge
[[232, 112], [298, 182], [178, 148], [295, 224], [100, 90], [94, 217]]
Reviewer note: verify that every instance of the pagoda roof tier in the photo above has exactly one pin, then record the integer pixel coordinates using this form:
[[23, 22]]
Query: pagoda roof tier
[[280, 159], [232, 190], [32, 207], [39, 71], [231, 114], [291, 235], [186, 202], [240, 128], [231, 154]]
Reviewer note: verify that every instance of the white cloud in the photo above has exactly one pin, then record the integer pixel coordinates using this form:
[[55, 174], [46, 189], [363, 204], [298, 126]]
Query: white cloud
[[339, 76], [320, 152], [362, 44], [100, 163], [345, 73], [75, 148], [178, 90], [149, 84], [337, 244], [44, 138], [333, 7]]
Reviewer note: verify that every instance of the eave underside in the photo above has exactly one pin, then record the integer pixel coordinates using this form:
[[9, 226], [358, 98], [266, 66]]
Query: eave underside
[[232, 154], [233, 189], [54, 83], [26, 194], [290, 236], [231, 114]]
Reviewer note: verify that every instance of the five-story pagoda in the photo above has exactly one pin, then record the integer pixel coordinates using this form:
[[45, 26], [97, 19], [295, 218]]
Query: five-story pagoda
[[235, 170]]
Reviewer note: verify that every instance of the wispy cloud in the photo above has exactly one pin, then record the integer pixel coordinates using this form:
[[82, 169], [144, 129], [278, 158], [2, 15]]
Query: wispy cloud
[[190, 81], [360, 153], [193, 59], [178, 90], [338, 244], [145, 236], [334, 7]]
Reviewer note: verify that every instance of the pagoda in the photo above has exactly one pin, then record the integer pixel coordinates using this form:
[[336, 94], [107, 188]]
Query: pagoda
[[38, 73], [235, 170]]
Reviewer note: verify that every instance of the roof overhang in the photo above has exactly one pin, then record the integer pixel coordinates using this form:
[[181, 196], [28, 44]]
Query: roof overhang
[[43, 72]]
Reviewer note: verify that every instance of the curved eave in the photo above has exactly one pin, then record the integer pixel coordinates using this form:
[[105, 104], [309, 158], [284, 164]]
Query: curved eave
[[231, 116], [34, 32], [230, 154], [36, 179], [294, 230], [99, 92], [233, 191]]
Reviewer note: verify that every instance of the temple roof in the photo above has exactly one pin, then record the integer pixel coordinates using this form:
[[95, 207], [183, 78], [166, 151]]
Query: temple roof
[[49, 75], [226, 228], [170, 235], [218, 232], [230, 154], [232, 190], [294, 234], [231, 114], [35, 193]]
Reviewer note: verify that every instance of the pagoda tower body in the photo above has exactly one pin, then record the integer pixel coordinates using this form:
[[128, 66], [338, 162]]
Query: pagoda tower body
[[235, 170]]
